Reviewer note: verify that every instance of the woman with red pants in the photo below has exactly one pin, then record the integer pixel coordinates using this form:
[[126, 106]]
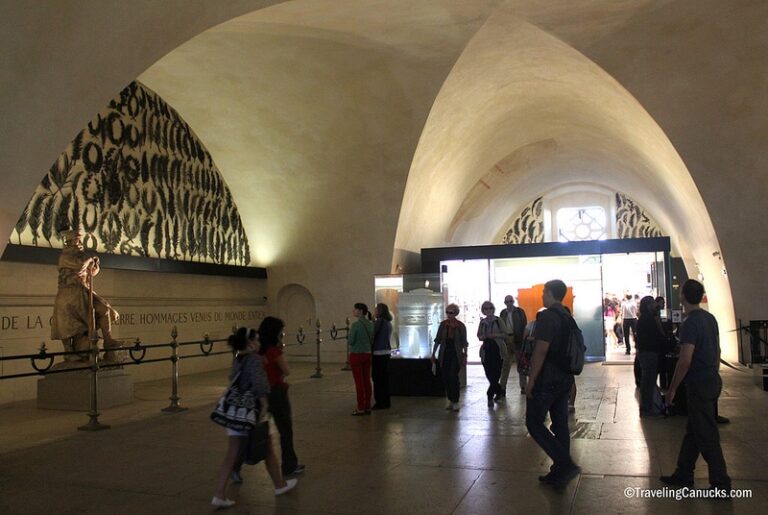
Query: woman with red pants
[[360, 340]]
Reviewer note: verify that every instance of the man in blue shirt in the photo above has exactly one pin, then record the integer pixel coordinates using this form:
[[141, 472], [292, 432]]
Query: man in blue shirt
[[698, 367]]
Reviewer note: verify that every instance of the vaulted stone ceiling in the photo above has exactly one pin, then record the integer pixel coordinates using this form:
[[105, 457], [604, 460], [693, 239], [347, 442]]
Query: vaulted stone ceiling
[[310, 106], [347, 128]]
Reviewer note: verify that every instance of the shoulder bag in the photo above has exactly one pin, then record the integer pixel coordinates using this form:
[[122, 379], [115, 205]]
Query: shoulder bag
[[236, 409], [255, 449]]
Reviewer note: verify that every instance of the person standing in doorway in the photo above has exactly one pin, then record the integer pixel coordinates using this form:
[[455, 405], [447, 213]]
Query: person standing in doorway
[[451, 339], [629, 315], [549, 387], [513, 322], [382, 332], [698, 366], [360, 340], [493, 351]]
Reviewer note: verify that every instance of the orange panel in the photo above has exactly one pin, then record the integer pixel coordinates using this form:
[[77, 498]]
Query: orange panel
[[529, 299]]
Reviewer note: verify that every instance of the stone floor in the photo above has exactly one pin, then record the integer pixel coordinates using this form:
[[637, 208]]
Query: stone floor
[[416, 458]]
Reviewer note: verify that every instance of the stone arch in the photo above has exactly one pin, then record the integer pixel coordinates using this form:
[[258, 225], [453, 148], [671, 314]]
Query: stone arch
[[497, 136], [49, 94], [296, 306]]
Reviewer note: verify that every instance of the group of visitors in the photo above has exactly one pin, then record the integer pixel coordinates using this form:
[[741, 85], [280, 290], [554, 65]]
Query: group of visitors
[[502, 339], [550, 390], [260, 367], [369, 353], [546, 385], [622, 319]]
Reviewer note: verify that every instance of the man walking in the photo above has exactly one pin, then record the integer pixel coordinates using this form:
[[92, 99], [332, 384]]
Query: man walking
[[698, 367], [629, 316], [549, 387], [513, 322]]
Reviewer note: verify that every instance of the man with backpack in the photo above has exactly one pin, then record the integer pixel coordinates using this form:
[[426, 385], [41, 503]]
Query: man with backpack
[[555, 360], [698, 366]]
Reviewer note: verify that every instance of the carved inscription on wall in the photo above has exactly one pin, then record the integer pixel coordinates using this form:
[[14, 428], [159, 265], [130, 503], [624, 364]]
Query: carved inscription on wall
[[35, 322], [138, 182]]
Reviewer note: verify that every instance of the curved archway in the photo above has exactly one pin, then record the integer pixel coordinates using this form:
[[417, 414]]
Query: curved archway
[[59, 82], [296, 306], [535, 128]]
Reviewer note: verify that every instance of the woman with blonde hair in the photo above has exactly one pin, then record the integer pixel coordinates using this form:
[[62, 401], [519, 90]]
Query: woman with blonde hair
[[451, 339]]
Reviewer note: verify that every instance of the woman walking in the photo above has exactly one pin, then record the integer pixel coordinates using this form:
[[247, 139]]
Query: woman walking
[[271, 340], [451, 339], [493, 351], [360, 340], [250, 377], [382, 331]]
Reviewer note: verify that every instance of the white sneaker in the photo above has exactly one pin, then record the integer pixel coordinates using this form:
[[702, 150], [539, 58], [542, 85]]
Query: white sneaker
[[289, 485], [449, 405], [221, 503], [455, 406]]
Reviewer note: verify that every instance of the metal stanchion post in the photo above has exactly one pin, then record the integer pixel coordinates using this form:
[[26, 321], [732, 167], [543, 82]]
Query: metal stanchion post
[[318, 371], [346, 364], [174, 406], [93, 415]]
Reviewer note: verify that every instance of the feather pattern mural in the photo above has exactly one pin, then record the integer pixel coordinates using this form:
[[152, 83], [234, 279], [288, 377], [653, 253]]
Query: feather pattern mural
[[528, 225], [631, 222], [139, 182]]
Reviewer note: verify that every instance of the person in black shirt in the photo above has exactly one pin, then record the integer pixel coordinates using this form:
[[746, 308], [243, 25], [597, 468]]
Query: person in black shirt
[[698, 366], [650, 342], [549, 387]]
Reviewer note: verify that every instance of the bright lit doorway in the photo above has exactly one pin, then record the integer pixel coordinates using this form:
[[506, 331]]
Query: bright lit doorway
[[595, 272]]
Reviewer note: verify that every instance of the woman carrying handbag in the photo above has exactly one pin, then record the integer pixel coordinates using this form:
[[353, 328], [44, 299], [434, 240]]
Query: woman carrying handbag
[[238, 412]]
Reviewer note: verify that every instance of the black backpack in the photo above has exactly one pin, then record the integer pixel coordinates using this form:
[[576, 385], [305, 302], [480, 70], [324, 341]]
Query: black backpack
[[570, 355]]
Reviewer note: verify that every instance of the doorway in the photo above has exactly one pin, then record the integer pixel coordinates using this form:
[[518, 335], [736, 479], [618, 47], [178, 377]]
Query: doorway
[[633, 275], [596, 273]]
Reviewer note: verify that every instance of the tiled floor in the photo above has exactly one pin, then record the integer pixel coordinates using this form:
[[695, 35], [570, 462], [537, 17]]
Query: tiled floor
[[415, 458]]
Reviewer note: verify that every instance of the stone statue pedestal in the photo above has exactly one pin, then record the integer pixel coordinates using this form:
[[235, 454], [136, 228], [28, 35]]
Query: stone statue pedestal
[[72, 390]]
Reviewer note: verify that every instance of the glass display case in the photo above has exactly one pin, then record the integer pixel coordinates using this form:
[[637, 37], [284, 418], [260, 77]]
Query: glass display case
[[416, 304]]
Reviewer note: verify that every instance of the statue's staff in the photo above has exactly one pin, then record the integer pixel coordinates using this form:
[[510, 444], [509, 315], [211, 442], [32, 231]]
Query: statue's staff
[[92, 318]]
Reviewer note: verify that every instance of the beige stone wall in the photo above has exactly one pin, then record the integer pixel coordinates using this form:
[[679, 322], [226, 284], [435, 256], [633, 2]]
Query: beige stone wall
[[151, 304], [699, 68]]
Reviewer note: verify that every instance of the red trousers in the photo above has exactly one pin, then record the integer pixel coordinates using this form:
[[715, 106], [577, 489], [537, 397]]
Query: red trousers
[[360, 362]]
